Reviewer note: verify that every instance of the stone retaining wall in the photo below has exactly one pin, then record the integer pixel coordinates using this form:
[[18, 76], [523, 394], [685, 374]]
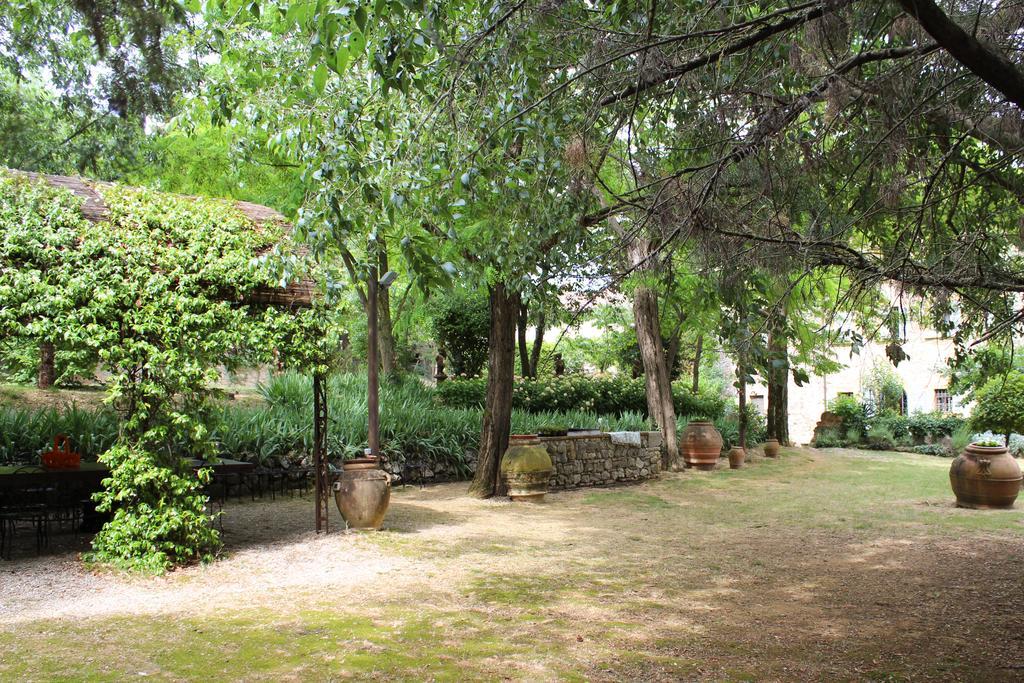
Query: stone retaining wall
[[580, 459], [603, 458]]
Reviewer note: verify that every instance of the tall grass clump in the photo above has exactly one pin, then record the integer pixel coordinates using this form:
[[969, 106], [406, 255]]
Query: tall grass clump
[[27, 432], [414, 427]]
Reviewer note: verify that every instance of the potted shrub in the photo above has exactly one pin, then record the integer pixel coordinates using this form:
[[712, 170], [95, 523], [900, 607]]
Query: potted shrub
[[985, 475]]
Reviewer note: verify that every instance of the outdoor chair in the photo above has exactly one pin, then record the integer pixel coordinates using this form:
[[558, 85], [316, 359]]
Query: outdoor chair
[[24, 507], [66, 503]]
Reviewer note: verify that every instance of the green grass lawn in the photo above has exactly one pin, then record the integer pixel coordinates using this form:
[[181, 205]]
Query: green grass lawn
[[824, 565]]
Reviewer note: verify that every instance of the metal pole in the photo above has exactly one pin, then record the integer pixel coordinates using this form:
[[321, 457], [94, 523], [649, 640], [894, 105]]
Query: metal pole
[[371, 358], [322, 477]]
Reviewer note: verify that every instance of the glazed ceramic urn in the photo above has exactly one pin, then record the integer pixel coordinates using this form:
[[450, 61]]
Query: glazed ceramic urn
[[737, 455], [526, 468], [985, 477], [363, 493], [701, 444]]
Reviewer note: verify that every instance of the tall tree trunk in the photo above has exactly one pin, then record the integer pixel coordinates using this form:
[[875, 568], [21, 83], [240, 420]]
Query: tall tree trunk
[[538, 344], [778, 388], [497, 419], [385, 327], [47, 371], [524, 351], [696, 363], [648, 337]]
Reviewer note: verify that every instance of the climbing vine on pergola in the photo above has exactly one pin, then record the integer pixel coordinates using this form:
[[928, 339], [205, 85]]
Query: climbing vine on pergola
[[159, 289]]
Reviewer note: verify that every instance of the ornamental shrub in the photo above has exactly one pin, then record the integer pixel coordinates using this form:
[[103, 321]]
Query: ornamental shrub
[[898, 426], [462, 325], [853, 414], [1000, 405], [932, 426], [829, 437], [934, 449], [610, 395], [728, 425], [159, 513], [27, 432], [880, 437]]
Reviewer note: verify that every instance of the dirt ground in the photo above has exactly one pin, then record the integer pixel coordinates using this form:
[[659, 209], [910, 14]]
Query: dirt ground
[[824, 565]]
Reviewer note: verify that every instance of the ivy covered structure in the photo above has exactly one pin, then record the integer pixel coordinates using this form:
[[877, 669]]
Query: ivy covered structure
[[159, 290]]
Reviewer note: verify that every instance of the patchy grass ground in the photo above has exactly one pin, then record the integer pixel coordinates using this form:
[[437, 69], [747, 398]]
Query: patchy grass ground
[[825, 565]]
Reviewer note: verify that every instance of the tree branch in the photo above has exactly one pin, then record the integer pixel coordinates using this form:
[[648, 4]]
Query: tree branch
[[766, 32], [981, 59]]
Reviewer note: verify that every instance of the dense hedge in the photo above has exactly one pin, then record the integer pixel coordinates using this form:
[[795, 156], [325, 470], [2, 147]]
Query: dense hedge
[[886, 429], [600, 395]]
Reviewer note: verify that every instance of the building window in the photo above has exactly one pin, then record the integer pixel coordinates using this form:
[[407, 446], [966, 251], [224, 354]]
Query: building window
[[943, 401], [845, 393], [904, 408], [758, 401]]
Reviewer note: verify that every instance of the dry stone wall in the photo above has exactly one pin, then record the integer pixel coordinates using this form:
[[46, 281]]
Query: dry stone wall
[[603, 458], [580, 459]]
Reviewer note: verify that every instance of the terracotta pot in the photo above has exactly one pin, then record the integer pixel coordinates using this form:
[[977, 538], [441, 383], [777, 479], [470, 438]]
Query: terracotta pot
[[526, 469], [523, 438], [736, 457], [362, 493], [701, 444], [771, 448], [985, 477]]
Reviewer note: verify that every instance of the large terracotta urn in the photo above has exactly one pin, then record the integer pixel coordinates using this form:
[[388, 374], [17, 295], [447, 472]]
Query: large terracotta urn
[[362, 493], [771, 448], [701, 444], [526, 468], [985, 477], [737, 455]]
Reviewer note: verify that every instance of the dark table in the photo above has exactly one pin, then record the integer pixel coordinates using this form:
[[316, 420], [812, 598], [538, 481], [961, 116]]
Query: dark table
[[81, 483], [93, 473]]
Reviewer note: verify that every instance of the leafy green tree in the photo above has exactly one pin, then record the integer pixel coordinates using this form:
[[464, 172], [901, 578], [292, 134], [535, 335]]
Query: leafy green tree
[[40, 131], [214, 162], [462, 323], [970, 370], [883, 390], [1000, 405], [136, 42]]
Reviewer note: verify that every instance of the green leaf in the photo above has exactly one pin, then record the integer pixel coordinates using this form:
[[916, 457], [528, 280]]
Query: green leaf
[[320, 77], [341, 59], [356, 42]]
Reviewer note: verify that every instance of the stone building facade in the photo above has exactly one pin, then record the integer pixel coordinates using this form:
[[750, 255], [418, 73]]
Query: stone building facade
[[923, 375]]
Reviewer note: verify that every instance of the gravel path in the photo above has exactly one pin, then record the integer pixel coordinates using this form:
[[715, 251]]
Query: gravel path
[[269, 554]]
